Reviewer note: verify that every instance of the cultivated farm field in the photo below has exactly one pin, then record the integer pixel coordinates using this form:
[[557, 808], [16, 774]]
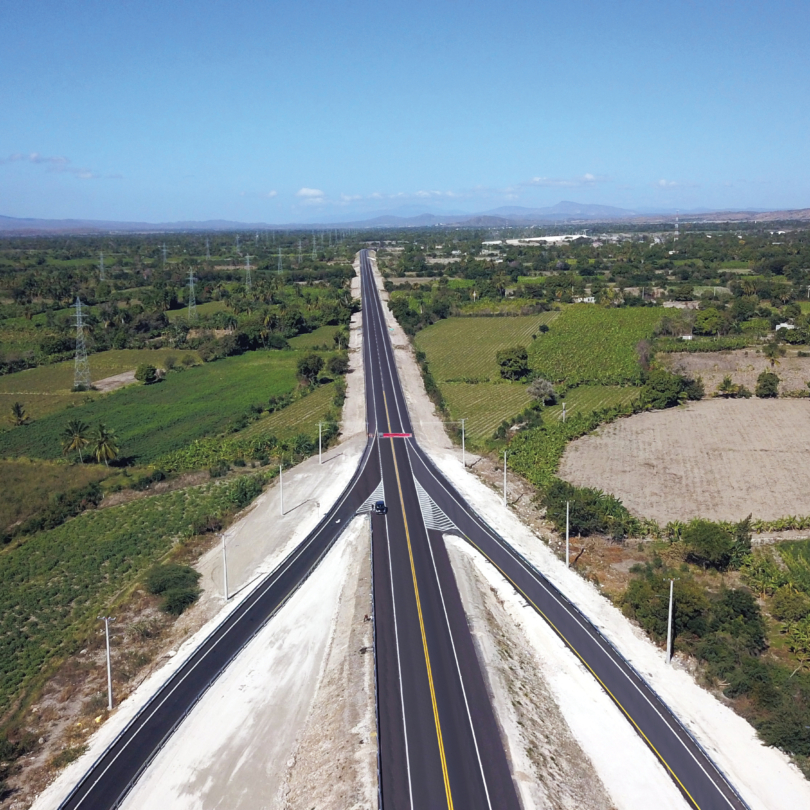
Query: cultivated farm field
[[717, 459], [300, 417], [464, 348], [588, 398], [591, 344], [484, 405]]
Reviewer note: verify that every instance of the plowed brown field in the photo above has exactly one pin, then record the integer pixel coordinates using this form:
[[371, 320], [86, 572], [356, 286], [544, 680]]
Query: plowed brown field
[[719, 459]]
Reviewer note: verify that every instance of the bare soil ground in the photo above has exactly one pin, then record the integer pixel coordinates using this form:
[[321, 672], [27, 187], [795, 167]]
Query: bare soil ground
[[742, 365], [721, 459], [115, 382]]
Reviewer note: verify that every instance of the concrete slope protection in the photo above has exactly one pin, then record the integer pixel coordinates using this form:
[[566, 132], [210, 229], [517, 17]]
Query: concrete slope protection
[[439, 741]]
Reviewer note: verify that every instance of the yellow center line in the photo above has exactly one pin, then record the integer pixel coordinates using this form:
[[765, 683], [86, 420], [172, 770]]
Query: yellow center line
[[576, 652], [421, 621]]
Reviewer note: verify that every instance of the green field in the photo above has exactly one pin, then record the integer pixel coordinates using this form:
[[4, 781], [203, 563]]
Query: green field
[[55, 584], [484, 406], [46, 389], [589, 398], [28, 486], [464, 348], [322, 336], [591, 344], [153, 420], [300, 417]]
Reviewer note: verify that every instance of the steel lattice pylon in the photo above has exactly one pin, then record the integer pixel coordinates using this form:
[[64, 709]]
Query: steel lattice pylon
[[81, 369]]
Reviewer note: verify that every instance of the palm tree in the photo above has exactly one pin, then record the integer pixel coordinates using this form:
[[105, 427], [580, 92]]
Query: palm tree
[[104, 443], [18, 416], [773, 351], [74, 437]]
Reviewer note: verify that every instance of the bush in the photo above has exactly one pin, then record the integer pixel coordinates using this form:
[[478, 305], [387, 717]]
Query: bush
[[176, 584], [708, 543], [789, 605], [309, 367], [662, 389], [767, 385], [146, 373], [543, 391], [591, 511], [337, 366]]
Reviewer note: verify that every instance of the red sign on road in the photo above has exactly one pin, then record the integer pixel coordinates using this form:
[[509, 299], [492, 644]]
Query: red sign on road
[[396, 435]]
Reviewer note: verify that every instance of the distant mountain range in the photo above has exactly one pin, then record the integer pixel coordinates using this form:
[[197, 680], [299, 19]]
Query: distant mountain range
[[564, 212]]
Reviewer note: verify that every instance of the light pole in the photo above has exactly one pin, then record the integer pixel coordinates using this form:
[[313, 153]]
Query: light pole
[[563, 413], [567, 531], [463, 446], [319, 443], [281, 486], [107, 620], [504, 477], [224, 569], [669, 621]]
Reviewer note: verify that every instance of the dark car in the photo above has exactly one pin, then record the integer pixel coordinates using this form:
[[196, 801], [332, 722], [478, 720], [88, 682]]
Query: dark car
[[380, 508]]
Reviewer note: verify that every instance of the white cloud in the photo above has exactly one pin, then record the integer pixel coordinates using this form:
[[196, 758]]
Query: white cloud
[[585, 180], [263, 195], [56, 163], [674, 184], [309, 193]]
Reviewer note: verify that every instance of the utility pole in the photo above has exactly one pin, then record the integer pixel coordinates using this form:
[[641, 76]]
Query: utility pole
[[81, 367], [463, 449], [299, 251], [237, 245], [248, 279], [107, 620], [164, 255], [504, 477], [281, 486], [320, 461], [567, 532], [279, 261], [207, 250], [224, 569], [563, 414]]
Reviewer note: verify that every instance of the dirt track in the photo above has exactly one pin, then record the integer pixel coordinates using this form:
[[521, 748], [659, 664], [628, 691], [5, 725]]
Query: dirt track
[[719, 459]]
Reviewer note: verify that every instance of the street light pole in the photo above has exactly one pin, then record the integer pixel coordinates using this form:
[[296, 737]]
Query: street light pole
[[567, 529], [224, 569], [319, 443], [463, 448], [281, 486], [107, 620], [504, 477], [669, 621]]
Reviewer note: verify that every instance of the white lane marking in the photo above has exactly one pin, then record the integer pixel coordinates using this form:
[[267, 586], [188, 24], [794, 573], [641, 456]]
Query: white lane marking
[[455, 655], [607, 651]]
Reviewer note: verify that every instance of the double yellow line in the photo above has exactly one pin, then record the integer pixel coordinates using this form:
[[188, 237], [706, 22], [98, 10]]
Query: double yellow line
[[447, 790]]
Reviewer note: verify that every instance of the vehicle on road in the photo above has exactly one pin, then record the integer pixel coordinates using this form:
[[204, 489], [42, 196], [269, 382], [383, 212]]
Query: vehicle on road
[[380, 508]]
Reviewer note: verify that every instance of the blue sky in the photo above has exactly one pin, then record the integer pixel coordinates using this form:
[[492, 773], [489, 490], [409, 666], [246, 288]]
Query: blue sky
[[283, 112]]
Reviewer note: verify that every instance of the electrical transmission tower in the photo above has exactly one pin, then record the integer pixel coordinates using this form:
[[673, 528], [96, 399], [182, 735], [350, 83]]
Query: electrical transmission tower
[[237, 245], [279, 260], [192, 301], [81, 368], [207, 250], [299, 251], [314, 248], [101, 265], [164, 255], [248, 279]]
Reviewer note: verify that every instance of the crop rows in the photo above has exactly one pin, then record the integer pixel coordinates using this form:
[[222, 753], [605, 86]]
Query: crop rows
[[322, 336], [300, 417], [485, 405], [591, 344], [464, 348]]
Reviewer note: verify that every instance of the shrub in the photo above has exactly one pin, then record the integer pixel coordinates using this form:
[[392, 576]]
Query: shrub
[[788, 605], [176, 584], [337, 366], [169, 362], [146, 373], [543, 391], [708, 543], [309, 367], [767, 385]]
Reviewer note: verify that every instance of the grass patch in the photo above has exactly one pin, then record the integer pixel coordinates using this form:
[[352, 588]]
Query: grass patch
[[590, 344], [300, 417], [464, 348], [153, 420], [209, 308], [322, 336]]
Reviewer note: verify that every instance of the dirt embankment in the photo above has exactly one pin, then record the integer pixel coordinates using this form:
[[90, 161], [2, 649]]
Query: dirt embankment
[[743, 366]]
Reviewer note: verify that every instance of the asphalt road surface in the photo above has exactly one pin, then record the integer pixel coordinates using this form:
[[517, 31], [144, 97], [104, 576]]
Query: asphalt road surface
[[439, 743]]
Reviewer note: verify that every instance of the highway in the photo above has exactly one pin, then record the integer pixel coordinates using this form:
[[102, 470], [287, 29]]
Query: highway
[[439, 742]]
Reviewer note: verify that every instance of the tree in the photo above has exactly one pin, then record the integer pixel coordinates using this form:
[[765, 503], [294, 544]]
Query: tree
[[773, 351], [798, 634], [146, 373], [789, 605], [543, 391], [104, 444], [514, 362], [767, 385], [74, 437], [309, 367], [337, 366], [18, 416], [708, 543]]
